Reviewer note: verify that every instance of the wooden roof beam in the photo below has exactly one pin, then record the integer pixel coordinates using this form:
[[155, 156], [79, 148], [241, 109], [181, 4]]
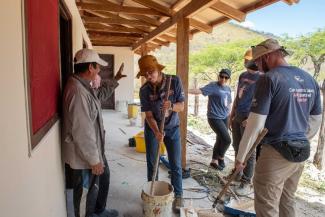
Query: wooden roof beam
[[114, 34], [179, 4], [118, 29], [154, 5], [291, 2], [120, 21], [146, 19], [152, 45], [111, 39], [105, 43], [189, 10], [168, 38], [247, 9], [201, 26], [158, 41], [108, 6], [105, 14], [229, 11]]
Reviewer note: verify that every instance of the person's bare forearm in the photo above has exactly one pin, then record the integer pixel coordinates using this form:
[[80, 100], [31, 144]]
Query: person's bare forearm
[[178, 107], [234, 105], [152, 123]]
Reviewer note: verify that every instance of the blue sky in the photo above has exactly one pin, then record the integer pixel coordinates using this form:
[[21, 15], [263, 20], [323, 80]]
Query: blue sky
[[280, 18]]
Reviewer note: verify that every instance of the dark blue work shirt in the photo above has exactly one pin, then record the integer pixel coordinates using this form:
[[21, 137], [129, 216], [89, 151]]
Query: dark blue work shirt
[[151, 100], [219, 100], [245, 92], [287, 95]]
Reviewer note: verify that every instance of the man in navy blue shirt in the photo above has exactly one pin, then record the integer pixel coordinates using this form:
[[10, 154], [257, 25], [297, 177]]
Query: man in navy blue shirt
[[152, 95], [287, 103], [240, 111]]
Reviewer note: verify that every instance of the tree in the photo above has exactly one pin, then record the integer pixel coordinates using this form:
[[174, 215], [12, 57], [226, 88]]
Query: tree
[[207, 62], [309, 47], [318, 157]]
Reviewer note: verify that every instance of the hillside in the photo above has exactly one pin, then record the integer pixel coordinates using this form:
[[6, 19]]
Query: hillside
[[227, 32]]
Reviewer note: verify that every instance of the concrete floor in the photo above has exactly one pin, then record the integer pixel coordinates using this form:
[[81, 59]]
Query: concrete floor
[[128, 168]]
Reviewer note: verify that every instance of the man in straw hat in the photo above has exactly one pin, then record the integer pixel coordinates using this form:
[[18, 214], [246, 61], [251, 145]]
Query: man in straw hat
[[240, 110], [287, 103], [152, 95], [83, 135]]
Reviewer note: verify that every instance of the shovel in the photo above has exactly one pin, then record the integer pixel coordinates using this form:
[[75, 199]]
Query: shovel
[[233, 176]]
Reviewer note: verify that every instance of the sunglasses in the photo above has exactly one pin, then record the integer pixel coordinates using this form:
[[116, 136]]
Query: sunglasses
[[223, 77]]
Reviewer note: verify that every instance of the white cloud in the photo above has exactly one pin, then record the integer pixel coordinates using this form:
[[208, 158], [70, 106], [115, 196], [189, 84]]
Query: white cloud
[[248, 24]]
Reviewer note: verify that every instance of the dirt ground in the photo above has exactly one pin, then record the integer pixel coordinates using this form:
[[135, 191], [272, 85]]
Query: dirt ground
[[309, 201]]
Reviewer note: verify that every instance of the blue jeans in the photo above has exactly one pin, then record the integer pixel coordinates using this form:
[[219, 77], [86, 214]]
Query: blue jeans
[[98, 187], [173, 145], [223, 140]]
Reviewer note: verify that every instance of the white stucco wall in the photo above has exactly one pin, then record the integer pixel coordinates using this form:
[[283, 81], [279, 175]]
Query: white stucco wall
[[29, 186], [124, 91]]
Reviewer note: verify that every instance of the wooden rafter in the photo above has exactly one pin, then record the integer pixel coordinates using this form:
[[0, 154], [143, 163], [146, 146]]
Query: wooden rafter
[[111, 39], [146, 19], [105, 43], [158, 41], [291, 2], [154, 5], [229, 11], [153, 46], [179, 4], [247, 9], [104, 32], [108, 6], [118, 29], [201, 26], [194, 23], [188, 11], [168, 37], [120, 21]]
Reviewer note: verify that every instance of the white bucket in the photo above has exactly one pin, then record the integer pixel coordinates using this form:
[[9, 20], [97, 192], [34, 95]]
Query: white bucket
[[159, 205]]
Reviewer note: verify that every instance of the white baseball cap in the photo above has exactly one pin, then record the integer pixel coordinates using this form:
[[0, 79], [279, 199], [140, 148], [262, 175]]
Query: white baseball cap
[[88, 56]]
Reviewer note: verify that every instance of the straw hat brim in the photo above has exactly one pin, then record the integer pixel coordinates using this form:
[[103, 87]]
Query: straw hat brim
[[255, 57], [143, 71]]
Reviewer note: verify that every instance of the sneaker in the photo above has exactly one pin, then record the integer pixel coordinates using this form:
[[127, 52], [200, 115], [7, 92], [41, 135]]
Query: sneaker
[[244, 189], [221, 163], [178, 203], [108, 213], [216, 166]]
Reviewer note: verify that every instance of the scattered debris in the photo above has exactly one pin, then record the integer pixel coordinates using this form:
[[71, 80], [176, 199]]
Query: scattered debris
[[121, 164], [122, 131]]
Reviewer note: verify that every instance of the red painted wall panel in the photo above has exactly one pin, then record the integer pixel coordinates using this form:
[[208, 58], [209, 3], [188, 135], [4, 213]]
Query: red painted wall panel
[[43, 59]]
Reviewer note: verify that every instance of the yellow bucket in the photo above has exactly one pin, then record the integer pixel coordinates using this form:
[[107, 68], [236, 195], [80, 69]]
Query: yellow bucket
[[133, 110], [140, 145]]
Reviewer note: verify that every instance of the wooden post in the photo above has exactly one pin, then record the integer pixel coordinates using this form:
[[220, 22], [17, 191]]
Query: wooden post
[[182, 71], [196, 99]]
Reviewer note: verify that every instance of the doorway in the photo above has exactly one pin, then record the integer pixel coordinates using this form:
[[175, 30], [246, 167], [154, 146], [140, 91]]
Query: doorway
[[66, 58]]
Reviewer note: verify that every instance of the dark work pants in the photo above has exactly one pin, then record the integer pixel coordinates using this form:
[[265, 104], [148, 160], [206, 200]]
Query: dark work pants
[[173, 145], [98, 187], [219, 126], [237, 133]]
